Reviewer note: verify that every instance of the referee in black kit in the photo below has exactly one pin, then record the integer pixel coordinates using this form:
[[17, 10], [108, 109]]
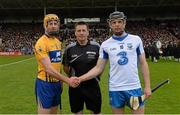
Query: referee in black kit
[[78, 59]]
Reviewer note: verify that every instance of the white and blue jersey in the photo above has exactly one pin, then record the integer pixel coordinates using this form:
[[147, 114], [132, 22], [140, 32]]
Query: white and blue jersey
[[122, 53]]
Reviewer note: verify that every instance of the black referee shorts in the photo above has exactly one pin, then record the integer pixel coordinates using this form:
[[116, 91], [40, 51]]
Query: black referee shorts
[[88, 94]]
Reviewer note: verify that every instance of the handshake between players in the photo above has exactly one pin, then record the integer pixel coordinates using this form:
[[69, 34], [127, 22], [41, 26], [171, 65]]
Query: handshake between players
[[74, 81]]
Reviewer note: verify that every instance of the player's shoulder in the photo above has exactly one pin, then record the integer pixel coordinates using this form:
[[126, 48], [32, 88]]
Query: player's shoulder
[[41, 40], [108, 41], [134, 36]]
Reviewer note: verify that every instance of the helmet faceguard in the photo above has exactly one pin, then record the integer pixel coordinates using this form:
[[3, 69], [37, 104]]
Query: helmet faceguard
[[50, 17]]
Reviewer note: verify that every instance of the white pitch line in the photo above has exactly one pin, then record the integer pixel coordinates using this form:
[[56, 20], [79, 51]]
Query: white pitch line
[[3, 65]]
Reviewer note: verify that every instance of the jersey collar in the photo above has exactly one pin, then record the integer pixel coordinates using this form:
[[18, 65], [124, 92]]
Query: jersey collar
[[120, 38], [48, 36], [77, 43]]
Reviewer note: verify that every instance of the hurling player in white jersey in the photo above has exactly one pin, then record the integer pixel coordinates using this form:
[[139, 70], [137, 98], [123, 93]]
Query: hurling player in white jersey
[[124, 52]]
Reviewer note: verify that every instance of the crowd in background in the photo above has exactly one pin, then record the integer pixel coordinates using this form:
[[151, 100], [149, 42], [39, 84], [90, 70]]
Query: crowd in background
[[18, 37], [21, 37]]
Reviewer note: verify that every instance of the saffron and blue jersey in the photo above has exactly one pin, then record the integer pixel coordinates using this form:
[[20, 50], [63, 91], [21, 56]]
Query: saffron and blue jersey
[[48, 47]]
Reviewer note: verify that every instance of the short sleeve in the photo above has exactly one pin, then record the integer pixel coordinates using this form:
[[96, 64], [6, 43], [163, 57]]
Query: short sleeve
[[103, 53], [41, 50], [140, 48]]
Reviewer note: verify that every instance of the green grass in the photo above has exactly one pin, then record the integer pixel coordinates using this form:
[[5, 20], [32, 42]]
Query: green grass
[[17, 88]]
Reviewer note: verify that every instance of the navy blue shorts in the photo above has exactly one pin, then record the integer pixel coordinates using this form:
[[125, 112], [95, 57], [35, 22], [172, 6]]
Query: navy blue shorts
[[48, 94], [118, 99]]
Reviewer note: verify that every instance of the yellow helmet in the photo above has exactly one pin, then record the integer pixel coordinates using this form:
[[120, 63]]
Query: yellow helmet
[[49, 17]]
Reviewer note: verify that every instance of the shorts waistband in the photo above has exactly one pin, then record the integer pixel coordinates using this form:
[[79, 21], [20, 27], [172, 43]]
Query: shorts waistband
[[50, 80]]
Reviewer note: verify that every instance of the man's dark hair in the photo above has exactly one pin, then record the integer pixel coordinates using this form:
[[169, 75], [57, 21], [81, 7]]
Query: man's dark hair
[[82, 23]]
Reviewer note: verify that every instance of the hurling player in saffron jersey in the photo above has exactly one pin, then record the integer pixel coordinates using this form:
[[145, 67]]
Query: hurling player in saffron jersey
[[48, 55]]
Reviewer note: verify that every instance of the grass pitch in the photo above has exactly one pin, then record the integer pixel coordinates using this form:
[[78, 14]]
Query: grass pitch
[[18, 73]]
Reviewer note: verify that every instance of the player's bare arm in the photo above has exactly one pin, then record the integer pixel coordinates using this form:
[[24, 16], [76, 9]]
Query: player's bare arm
[[95, 71], [73, 82], [146, 76]]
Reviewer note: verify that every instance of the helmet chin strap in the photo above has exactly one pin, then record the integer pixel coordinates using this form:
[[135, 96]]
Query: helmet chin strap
[[119, 33], [53, 33]]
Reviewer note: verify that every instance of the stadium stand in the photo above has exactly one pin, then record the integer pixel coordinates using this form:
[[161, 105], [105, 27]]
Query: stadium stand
[[19, 32]]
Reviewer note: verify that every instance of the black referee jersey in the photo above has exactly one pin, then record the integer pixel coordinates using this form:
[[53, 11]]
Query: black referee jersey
[[81, 58]]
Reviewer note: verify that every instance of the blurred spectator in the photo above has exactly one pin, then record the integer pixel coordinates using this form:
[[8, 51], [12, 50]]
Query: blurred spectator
[[21, 37]]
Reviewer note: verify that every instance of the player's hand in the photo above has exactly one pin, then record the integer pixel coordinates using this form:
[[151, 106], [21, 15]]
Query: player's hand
[[147, 92], [74, 81]]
